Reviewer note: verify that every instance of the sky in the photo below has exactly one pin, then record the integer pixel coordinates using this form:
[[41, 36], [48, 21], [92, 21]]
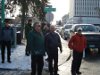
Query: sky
[[62, 8]]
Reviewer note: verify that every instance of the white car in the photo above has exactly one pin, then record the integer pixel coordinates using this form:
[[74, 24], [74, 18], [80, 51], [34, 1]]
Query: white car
[[65, 32]]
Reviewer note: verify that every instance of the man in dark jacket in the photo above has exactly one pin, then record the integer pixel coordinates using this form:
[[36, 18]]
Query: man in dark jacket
[[77, 43], [28, 28], [7, 37], [52, 42], [37, 48]]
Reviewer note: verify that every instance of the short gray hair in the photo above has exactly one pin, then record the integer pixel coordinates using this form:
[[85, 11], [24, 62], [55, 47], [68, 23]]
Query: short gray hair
[[34, 25]]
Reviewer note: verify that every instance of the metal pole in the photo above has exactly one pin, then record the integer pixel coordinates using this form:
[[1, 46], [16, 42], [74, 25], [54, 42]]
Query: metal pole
[[2, 12]]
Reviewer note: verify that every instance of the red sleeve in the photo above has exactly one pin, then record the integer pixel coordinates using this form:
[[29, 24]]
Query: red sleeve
[[70, 43]]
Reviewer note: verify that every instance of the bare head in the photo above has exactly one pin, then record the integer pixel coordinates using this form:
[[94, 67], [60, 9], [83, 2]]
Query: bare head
[[37, 26], [29, 21], [7, 22], [52, 28]]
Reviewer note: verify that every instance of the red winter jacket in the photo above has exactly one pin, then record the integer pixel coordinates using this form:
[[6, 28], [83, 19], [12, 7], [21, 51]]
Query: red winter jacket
[[77, 42]]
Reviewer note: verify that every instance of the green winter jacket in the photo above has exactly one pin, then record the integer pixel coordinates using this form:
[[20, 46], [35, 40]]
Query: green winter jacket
[[36, 43], [28, 28]]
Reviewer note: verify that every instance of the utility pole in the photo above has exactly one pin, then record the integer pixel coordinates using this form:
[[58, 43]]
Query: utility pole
[[2, 12]]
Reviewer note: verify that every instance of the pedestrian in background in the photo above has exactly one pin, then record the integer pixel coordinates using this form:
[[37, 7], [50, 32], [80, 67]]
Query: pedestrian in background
[[28, 28], [7, 38], [37, 48], [77, 43], [45, 28], [52, 42]]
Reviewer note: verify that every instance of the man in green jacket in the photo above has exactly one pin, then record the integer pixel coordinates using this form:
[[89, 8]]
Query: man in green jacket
[[37, 49], [28, 28]]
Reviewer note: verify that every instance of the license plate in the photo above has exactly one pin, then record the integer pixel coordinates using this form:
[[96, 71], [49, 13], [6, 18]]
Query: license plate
[[92, 46]]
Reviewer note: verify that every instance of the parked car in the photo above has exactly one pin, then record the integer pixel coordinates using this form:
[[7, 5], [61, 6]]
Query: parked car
[[98, 28], [65, 32], [58, 29], [92, 36]]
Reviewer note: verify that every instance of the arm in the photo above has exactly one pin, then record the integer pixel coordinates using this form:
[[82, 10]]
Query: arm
[[30, 41], [60, 44], [46, 43], [70, 43], [26, 31], [12, 35]]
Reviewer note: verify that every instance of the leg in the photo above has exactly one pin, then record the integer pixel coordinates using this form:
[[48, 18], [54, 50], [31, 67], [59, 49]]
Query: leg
[[74, 63], [33, 65], [56, 64], [27, 52], [40, 64], [79, 62], [3, 51], [8, 51], [50, 62]]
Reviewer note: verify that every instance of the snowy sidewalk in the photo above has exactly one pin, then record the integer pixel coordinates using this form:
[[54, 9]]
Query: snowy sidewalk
[[22, 62]]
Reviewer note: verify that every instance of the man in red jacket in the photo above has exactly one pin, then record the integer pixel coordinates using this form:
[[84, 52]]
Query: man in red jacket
[[77, 43]]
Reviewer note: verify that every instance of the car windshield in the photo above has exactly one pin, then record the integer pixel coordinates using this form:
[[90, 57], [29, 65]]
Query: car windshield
[[68, 26], [86, 28]]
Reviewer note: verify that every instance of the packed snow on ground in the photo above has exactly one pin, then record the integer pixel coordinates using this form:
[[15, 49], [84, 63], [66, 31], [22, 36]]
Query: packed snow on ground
[[18, 59]]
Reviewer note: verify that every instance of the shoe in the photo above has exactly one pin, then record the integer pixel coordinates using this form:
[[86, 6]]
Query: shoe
[[9, 61], [2, 62], [78, 73], [73, 73]]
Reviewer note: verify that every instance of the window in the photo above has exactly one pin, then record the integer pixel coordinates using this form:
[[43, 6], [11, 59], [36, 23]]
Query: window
[[85, 28]]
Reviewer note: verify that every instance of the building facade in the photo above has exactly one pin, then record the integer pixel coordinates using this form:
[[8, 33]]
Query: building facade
[[84, 11]]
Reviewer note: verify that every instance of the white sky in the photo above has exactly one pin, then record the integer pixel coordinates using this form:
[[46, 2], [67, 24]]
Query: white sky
[[62, 8]]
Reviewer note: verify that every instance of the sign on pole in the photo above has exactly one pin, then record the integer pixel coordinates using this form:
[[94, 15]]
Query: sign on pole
[[48, 5], [49, 9], [49, 17]]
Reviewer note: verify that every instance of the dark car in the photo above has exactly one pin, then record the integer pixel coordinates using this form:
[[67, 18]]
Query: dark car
[[92, 36]]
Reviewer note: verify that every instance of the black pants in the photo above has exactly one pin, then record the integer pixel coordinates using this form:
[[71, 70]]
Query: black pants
[[3, 45], [76, 63], [51, 58], [37, 64], [27, 52]]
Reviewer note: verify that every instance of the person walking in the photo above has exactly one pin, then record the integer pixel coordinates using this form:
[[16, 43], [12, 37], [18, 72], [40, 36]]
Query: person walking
[[7, 38], [28, 28], [37, 49], [78, 44], [52, 42]]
